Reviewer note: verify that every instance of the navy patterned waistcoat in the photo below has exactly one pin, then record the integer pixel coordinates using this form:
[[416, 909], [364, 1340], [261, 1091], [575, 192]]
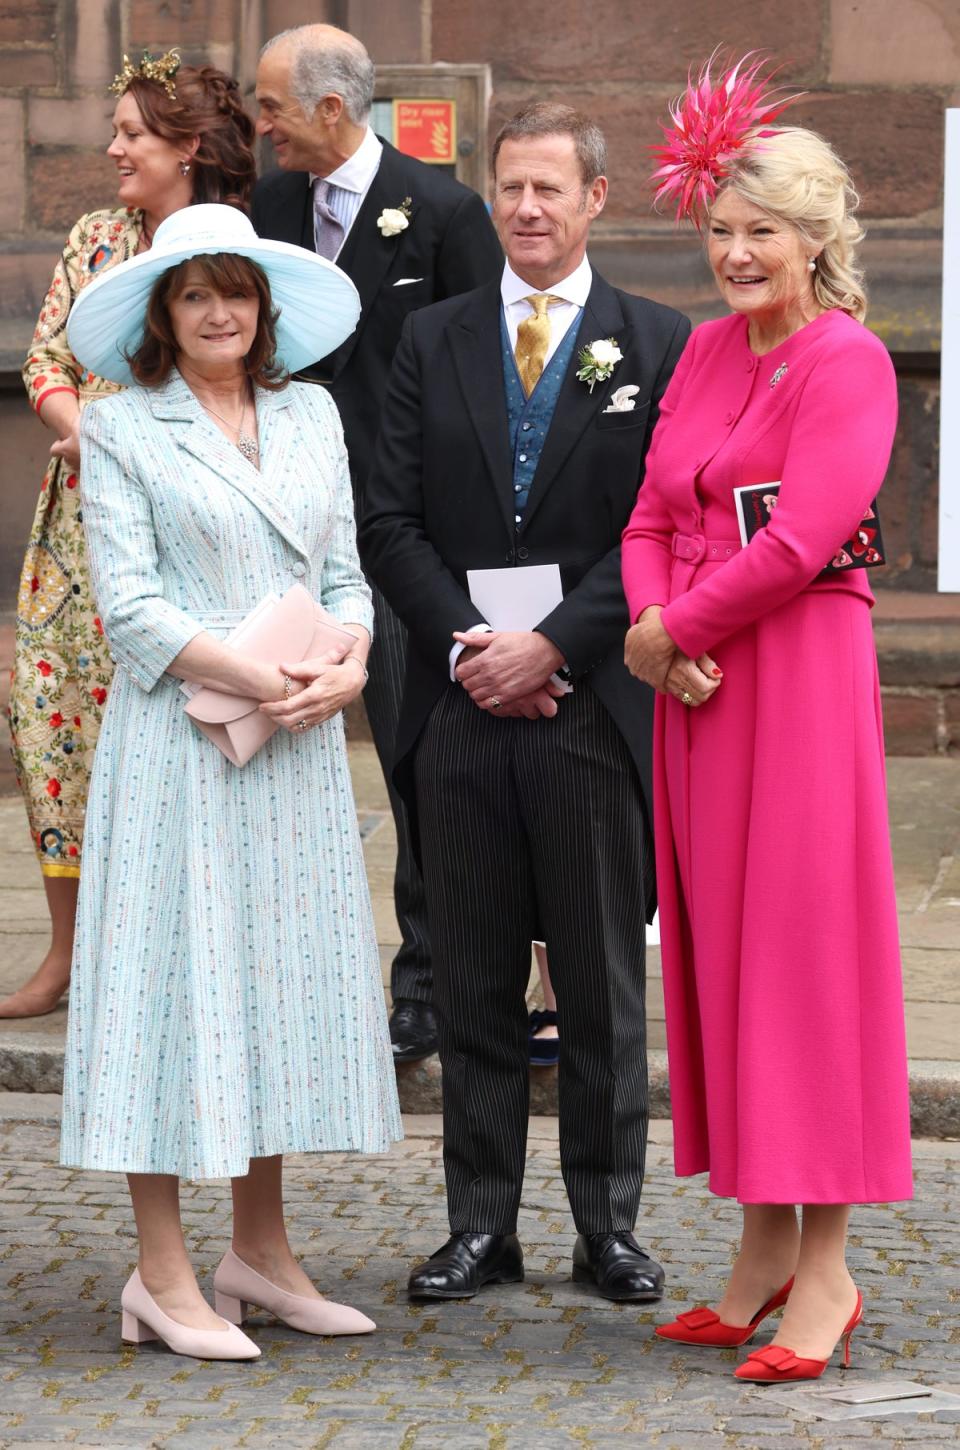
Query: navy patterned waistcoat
[[530, 418]]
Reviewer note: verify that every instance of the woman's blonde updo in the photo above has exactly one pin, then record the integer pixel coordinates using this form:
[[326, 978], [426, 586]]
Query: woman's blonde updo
[[797, 176]]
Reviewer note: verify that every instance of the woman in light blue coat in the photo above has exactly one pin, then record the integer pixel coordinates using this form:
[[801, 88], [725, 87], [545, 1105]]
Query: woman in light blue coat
[[226, 1005]]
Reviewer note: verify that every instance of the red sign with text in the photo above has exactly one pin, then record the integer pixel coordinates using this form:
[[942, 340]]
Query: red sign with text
[[426, 130]]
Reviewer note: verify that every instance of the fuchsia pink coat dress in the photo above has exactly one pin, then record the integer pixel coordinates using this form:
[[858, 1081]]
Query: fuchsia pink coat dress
[[781, 961]]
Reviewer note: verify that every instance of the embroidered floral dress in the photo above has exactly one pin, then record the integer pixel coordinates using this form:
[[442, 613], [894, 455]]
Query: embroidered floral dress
[[62, 666]]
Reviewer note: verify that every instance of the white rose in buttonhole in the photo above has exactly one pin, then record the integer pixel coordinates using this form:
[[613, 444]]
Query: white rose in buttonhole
[[391, 221], [605, 352]]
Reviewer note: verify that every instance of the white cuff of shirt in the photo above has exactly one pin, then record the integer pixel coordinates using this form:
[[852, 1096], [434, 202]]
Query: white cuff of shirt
[[458, 648]]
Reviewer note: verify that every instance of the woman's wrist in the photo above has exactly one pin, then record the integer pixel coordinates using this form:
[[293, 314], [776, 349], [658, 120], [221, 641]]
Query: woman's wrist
[[352, 659], [270, 684]]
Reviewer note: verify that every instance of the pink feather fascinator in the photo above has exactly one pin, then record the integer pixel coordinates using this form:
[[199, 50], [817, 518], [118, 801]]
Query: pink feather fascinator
[[714, 123]]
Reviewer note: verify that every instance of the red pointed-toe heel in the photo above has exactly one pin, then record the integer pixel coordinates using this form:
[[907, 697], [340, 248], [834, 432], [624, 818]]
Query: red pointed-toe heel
[[705, 1327], [776, 1365]]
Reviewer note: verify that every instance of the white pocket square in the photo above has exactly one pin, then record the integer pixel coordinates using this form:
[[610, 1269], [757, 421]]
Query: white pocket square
[[405, 281], [623, 399]]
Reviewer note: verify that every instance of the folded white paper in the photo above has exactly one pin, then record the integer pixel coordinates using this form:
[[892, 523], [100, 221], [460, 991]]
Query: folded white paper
[[516, 598]]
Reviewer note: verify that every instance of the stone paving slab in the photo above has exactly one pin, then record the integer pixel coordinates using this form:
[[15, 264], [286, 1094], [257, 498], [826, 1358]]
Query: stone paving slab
[[521, 1366]]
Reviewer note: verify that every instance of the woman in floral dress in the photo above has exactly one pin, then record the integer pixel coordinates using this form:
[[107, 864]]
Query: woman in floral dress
[[180, 136]]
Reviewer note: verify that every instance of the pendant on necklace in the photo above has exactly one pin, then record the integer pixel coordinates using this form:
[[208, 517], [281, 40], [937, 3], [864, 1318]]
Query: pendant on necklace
[[248, 446]]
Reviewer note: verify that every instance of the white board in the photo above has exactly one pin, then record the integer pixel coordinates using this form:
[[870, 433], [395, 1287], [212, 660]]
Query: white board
[[948, 577]]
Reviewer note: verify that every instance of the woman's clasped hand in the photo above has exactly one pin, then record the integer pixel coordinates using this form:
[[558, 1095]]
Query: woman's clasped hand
[[651, 655], [322, 687]]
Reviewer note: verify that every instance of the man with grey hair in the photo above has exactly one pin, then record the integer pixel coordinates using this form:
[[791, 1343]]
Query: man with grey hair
[[407, 234]]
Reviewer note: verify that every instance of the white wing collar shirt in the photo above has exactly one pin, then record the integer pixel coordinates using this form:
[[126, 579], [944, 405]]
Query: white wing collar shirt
[[343, 190], [574, 291]]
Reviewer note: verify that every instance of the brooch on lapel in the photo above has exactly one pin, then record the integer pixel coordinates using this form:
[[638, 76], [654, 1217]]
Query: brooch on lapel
[[623, 400], [395, 219], [778, 375], [598, 360]]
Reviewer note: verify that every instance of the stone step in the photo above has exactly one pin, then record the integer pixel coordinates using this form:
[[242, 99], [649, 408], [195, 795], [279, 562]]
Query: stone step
[[33, 1068], [918, 648]]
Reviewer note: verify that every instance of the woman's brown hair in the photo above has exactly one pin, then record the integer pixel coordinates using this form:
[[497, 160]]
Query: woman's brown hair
[[207, 104], [227, 273]]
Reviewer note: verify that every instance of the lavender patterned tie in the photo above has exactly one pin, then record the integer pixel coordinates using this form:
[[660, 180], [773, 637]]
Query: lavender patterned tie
[[327, 230]]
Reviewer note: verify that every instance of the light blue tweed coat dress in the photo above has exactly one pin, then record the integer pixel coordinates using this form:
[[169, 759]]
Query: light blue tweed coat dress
[[226, 1000]]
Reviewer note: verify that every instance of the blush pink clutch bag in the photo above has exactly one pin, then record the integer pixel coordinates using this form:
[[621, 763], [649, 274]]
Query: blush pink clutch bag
[[292, 628]]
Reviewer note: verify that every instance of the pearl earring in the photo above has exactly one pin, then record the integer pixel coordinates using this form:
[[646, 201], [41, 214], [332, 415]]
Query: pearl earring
[[184, 168], [812, 264]]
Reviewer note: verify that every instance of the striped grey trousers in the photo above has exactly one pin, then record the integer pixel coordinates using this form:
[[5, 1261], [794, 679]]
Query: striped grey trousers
[[530, 828]]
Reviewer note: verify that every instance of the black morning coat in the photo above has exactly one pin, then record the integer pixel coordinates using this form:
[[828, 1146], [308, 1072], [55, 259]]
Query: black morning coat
[[440, 500], [450, 247]]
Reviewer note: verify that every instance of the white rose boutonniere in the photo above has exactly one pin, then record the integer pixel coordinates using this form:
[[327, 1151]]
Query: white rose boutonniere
[[598, 360], [395, 219]]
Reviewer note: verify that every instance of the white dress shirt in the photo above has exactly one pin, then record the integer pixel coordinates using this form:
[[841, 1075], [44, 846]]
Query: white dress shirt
[[349, 184], [514, 292], [574, 290]]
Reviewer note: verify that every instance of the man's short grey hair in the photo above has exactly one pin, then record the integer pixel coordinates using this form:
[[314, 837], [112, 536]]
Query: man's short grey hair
[[550, 118], [343, 70]]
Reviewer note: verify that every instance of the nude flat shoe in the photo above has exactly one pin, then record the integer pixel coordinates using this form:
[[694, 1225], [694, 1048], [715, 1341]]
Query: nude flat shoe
[[143, 1320], [236, 1286]]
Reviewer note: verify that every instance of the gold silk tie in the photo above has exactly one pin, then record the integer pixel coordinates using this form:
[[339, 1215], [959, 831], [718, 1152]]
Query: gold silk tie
[[533, 339]]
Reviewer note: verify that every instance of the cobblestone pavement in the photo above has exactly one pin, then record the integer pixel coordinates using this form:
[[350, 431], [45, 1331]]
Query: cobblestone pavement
[[545, 1363]]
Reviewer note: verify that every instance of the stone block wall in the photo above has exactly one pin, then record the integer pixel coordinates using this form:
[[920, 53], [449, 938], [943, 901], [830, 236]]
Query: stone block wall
[[877, 76]]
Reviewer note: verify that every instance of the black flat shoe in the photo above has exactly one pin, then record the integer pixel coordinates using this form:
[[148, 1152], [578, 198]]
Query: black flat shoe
[[618, 1266], [465, 1263], [413, 1030], [544, 1051]]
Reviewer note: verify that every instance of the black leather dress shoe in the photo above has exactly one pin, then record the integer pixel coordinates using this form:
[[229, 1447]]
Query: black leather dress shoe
[[465, 1263], [618, 1266], [413, 1030]]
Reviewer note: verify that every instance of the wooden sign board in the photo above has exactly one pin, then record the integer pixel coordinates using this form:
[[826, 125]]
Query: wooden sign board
[[426, 130]]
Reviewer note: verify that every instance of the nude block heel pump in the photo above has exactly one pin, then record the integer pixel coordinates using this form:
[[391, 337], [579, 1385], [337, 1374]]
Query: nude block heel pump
[[143, 1319], [237, 1286]]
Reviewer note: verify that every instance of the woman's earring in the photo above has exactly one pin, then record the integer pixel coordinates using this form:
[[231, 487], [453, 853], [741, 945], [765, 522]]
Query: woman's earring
[[812, 264], [185, 171]]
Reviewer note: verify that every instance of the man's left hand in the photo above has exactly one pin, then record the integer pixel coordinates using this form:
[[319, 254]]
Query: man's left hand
[[507, 664]]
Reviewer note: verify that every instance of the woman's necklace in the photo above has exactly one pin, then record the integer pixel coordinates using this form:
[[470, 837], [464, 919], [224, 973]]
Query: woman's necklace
[[247, 444]]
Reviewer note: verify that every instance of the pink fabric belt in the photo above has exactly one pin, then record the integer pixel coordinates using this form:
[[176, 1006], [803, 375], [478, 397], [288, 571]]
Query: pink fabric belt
[[694, 548]]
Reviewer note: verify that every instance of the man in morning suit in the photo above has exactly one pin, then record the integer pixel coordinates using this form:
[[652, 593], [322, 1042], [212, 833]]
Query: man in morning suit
[[531, 799], [336, 181]]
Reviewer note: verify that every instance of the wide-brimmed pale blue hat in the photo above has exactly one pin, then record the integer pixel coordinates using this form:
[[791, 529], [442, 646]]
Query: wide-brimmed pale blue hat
[[318, 304]]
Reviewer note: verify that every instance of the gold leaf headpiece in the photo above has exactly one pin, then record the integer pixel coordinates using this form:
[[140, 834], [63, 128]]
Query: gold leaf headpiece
[[163, 70]]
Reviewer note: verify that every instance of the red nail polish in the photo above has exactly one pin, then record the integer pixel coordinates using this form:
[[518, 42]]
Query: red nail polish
[[718, 672]]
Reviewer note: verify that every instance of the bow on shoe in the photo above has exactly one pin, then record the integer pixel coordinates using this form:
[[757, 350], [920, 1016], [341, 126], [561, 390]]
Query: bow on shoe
[[774, 1356], [698, 1318]]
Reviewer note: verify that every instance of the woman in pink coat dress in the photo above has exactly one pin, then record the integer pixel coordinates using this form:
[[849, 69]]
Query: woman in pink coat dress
[[781, 962]]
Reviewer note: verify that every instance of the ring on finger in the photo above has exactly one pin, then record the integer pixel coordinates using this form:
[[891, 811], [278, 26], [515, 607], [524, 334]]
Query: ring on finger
[[301, 724], [686, 698], [495, 703]]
